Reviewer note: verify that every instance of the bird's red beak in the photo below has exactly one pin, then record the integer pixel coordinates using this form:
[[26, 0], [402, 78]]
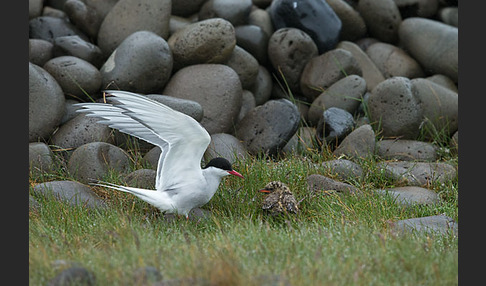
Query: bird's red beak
[[233, 172], [264, 191]]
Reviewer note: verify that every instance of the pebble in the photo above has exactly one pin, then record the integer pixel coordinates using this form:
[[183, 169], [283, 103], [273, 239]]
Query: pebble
[[234, 11], [141, 178], [46, 104], [74, 276], [436, 224], [411, 195], [245, 65], [393, 61], [327, 185], [303, 139], [35, 8], [382, 19], [406, 150], [334, 125], [76, 77], [444, 81], [454, 143], [247, 104], [360, 143], [83, 16], [345, 94], [262, 88], [41, 158], [344, 169], [40, 51], [393, 105], [71, 192], [129, 16], [322, 71], [418, 173], [450, 16], [268, 127], [254, 40], [353, 25], [185, 8], [226, 146], [49, 28], [77, 47], [151, 158], [205, 42], [316, 18], [417, 8], [289, 50], [94, 161], [261, 18], [141, 63], [215, 87], [433, 44], [69, 110], [188, 107]]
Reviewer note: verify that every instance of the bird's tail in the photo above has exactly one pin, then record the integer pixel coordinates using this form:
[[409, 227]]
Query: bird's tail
[[148, 196]]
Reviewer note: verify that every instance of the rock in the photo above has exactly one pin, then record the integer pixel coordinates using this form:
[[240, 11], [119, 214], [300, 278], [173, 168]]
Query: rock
[[406, 150], [216, 87], [177, 23], [268, 127], [418, 173], [440, 106], [185, 8], [93, 161], [73, 276], [262, 88], [437, 224], [234, 11], [69, 110], [346, 170], [40, 51], [151, 158], [245, 65], [41, 158], [247, 104], [417, 8], [77, 77], [71, 192], [261, 18], [46, 104], [206, 42], [393, 105], [289, 50], [450, 16], [360, 143], [370, 72], [410, 195], [393, 61], [303, 139], [141, 63], [353, 25], [334, 125], [382, 19], [188, 107], [34, 205], [35, 8], [320, 183], [129, 16], [322, 71], [316, 18], [77, 47], [142, 178], [146, 276], [454, 143], [226, 146], [49, 28], [79, 131], [83, 16], [346, 94], [433, 44], [444, 81], [254, 40]]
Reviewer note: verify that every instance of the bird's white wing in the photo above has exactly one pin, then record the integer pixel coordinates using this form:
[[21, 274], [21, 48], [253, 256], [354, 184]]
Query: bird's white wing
[[182, 139]]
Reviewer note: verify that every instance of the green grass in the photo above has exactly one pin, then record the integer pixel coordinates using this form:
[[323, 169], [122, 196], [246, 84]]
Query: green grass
[[334, 240]]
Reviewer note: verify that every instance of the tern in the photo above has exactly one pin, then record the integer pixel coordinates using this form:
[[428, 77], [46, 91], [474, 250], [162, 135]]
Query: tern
[[181, 184], [280, 199]]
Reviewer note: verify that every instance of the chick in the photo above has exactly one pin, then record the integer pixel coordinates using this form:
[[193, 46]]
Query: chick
[[280, 199]]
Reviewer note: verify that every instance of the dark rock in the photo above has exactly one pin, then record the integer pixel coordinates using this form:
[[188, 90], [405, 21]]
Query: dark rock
[[40, 51], [74, 276], [360, 143], [151, 158], [334, 125], [254, 40], [247, 104], [418, 173], [410, 195], [261, 18], [71, 192], [437, 224], [346, 170], [262, 88], [245, 65], [226, 146], [35, 8], [406, 150], [88, 15], [304, 139], [77, 47], [320, 183], [49, 28], [41, 158], [382, 19], [142, 178], [393, 61], [235, 11], [417, 8], [314, 17], [69, 110], [353, 25], [188, 107]]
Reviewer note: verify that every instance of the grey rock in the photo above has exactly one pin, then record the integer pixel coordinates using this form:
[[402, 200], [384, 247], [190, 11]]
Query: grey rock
[[346, 170], [76, 77], [46, 104], [79, 131], [146, 276], [35, 8], [320, 183], [88, 15], [245, 65], [141, 63], [417, 8], [437, 224], [450, 16], [345, 94], [74, 276], [393, 104], [433, 44], [41, 158], [261, 18], [353, 25], [322, 71], [142, 178], [303, 139], [226, 146], [40, 51], [71, 192], [234, 11], [247, 104], [411, 195], [454, 143], [360, 143], [254, 40], [151, 158], [444, 81], [93, 161], [205, 42], [418, 173], [188, 107], [371, 74], [406, 150], [262, 88], [69, 110], [177, 23], [49, 28], [216, 87], [382, 19], [289, 50], [129, 16], [393, 61], [334, 125], [77, 47], [268, 127], [33, 204], [55, 13]]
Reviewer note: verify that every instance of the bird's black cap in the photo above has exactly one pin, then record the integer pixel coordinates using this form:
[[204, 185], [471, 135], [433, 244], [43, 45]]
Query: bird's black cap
[[221, 163]]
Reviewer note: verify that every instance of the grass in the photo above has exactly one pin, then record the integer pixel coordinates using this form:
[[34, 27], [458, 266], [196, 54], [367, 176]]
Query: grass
[[334, 240]]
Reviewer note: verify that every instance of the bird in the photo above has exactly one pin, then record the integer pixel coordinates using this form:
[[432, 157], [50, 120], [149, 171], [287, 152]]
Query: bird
[[279, 200], [180, 184]]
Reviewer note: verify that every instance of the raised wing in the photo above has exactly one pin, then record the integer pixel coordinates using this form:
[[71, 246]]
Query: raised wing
[[182, 139]]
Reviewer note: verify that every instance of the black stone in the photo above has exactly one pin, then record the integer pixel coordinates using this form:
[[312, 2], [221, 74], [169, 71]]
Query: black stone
[[334, 125]]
